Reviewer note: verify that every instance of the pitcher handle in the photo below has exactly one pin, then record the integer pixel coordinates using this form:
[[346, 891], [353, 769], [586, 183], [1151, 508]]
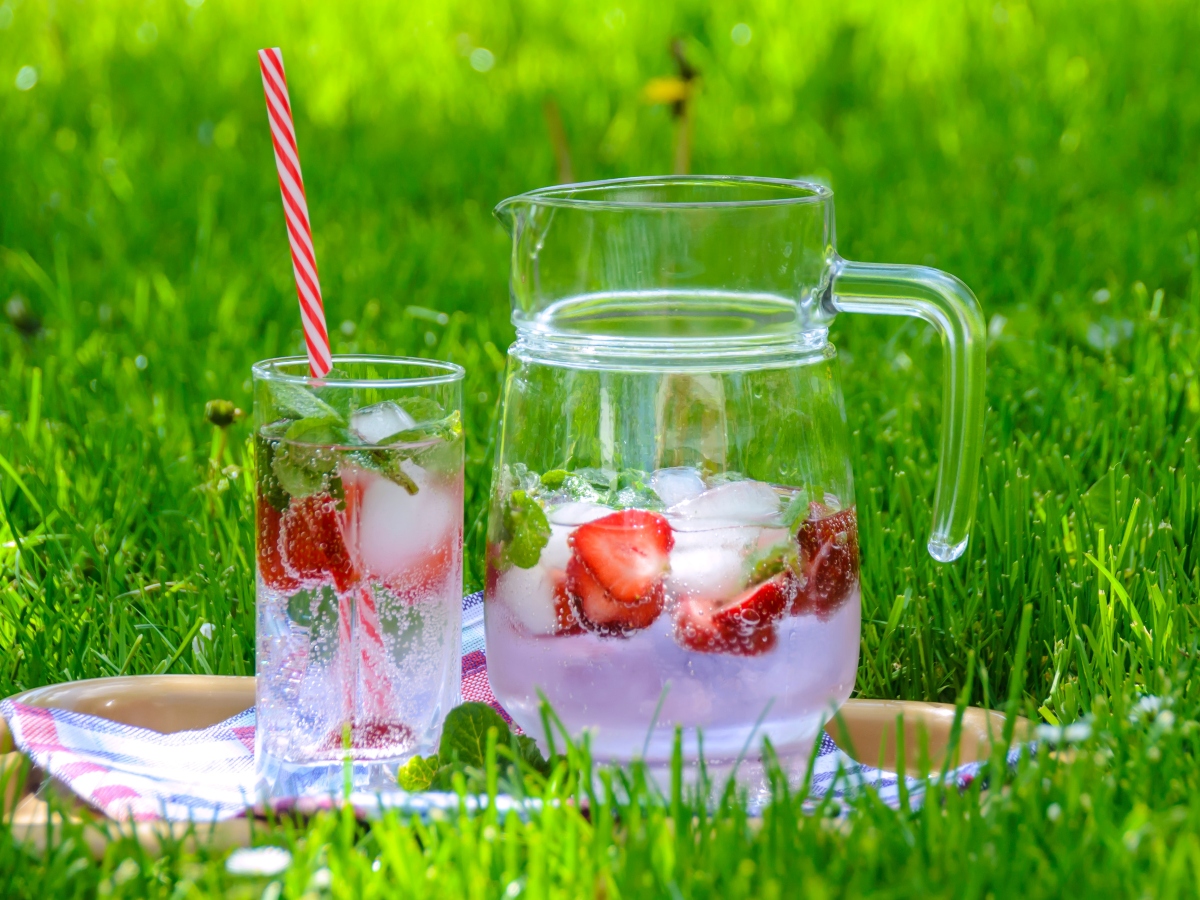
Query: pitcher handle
[[949, 306]]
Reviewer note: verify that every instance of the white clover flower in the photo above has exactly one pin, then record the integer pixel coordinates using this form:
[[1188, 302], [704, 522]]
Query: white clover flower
[[261, 861], [1075, 733], [1147, 704]]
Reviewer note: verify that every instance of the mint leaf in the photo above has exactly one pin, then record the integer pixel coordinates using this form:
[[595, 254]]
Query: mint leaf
[[418, 773], [302, 460], [464, 735], [447, 429], [308, 606], [796, 511], [299, 470], [338, 396], [554, 478], [721, 478], [385, 463], [463, 751], [435, 446], [633, 492], [528, 753], [602, 481], [316, 610], [422, 409], [770, 561], [294, 402], [527, 530], [577, 489], [325, 430], [264, 458], [446, 455]]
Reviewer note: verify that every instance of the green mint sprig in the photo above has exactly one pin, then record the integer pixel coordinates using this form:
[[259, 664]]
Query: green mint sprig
[[796, 511], [291, 401], [526, 531], [625, 489], [300, 462], [770, 561]]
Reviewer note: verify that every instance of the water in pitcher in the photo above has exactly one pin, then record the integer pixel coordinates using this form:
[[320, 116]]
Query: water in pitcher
[[729, 607]]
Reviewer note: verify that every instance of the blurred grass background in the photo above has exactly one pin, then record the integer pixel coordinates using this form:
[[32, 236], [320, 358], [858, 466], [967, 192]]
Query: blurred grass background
[[1044, 152]]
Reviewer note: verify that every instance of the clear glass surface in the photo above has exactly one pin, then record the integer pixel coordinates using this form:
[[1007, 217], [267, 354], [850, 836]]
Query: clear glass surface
[[673, 537], [359, 509]]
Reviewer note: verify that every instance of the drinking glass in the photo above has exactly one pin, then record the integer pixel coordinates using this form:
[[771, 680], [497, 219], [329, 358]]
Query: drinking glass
[[359, 489]]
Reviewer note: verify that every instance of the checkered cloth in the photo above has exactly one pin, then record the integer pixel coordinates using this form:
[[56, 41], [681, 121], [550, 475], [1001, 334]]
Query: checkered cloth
[[208, 775]]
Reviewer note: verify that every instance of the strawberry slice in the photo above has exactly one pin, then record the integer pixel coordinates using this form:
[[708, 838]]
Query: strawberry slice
[[270, 559], [565, 620], [391, 738], [427, 574], [313, 541], [492, 576], [829, 561], [600, 612], [743, 625], [615, 574], [626, 552]]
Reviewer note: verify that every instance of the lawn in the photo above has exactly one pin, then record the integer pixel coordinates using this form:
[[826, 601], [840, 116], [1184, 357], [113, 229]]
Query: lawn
[[1045, 153]]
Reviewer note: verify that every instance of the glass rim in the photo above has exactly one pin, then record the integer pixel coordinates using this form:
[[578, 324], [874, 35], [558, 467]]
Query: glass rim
[[564, 195], [272, 370]]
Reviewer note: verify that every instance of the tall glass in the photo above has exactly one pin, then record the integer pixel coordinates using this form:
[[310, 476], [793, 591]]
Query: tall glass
[[359, 480]]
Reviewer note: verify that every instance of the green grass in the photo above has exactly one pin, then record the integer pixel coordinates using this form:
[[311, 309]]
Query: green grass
[[1044, 153]]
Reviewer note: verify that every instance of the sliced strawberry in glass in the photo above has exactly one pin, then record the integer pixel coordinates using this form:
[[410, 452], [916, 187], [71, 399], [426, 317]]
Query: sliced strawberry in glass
[[313, 542], [427, 574], [367, 735], [565, 620], [599, 611], [625, 552], [829, 561], [270, 558], [744, 625]]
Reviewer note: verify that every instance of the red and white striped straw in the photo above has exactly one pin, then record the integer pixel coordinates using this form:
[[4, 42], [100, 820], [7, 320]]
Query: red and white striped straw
[[295, 211]]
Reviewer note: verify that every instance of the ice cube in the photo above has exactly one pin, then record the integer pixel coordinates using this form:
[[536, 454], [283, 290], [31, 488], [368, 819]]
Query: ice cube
[[557, 553], [396, 529], [736, 501], [374, 423], [677, 484], [577, 513], [528, 595], [710, 564]]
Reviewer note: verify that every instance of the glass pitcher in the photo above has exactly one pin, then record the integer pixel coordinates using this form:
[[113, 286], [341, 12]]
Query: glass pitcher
[[672, 538]]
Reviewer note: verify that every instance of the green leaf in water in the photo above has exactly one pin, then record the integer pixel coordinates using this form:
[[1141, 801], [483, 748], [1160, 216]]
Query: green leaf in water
[[554, 479], [326, 430], [526, 529], [292, 401], [770, 561], [796, 511], [422, 409]]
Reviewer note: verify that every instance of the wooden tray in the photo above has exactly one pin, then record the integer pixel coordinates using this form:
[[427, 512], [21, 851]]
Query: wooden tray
[[171, 703]]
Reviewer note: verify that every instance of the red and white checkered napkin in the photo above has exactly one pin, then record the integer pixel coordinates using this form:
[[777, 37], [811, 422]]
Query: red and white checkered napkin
[[208, 775]]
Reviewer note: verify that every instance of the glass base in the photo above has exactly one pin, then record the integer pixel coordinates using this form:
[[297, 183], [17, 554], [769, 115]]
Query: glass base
[[279, 778]]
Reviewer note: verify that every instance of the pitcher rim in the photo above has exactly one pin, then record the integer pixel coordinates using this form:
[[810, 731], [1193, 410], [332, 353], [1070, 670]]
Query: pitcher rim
[[561, 195]]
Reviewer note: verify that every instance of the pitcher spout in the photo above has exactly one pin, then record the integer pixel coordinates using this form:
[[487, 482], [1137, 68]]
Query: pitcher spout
[[509, 212]]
